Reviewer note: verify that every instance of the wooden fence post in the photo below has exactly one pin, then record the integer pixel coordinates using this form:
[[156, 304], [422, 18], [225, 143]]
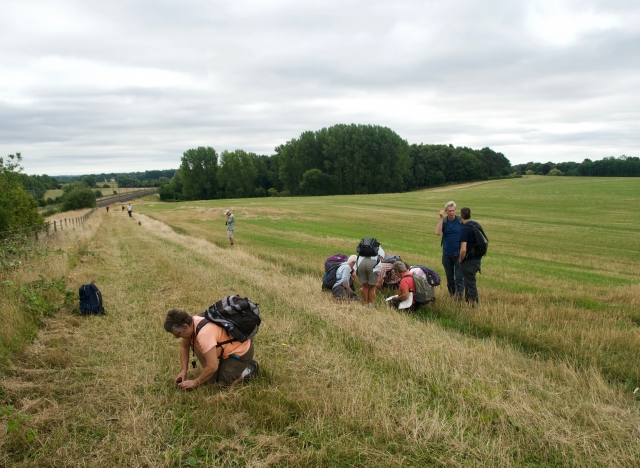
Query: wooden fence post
[[55, 229]]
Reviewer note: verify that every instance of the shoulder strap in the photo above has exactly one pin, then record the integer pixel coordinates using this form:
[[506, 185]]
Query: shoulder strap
[[202, 323]]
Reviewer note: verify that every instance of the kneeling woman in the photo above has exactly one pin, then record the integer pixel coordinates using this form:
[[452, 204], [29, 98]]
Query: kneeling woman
[[222, 364]]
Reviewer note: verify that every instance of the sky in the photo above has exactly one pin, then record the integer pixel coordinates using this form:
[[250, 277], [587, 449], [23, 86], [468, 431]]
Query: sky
[[90, 86]]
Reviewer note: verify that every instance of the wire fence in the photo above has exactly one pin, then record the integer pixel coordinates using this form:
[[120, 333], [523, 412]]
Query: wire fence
[[44, 230], [49, 228]]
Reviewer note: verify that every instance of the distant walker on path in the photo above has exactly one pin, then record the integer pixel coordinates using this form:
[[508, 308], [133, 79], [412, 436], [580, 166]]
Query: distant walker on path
[[230, 225], [129, 209]]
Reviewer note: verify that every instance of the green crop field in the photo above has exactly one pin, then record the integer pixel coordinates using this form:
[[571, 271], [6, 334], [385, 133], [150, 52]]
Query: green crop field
[[542, 373], [53, 194]]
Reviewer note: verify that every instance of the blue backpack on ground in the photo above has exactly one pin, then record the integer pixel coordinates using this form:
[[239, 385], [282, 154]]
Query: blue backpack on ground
[[90, 299]]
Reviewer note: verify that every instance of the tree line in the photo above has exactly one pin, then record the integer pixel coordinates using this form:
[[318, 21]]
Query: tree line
[[342, 159], [18, 209], [622, 166], [152, 178]]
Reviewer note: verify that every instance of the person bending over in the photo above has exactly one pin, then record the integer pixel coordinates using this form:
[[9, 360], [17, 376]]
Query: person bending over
[[343, 287], [221, 364], [407, 286]]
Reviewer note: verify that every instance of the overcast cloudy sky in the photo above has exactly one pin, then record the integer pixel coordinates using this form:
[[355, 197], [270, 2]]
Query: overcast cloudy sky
[[91, 86]]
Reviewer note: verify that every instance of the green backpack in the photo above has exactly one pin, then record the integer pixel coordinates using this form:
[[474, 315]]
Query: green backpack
[[424, 291]]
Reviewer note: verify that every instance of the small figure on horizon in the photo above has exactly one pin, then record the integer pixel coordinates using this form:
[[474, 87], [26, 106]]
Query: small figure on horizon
[[129, 209], [230, 225]]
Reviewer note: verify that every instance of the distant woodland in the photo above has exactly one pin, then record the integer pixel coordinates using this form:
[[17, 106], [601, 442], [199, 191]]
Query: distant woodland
[[342, 159], [622, 166]]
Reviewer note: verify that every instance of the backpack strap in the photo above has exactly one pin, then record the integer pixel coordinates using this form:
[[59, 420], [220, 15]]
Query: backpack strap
[[202, 323]]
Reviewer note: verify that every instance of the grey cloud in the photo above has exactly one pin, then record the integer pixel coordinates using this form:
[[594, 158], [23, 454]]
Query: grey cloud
[[252, 75]]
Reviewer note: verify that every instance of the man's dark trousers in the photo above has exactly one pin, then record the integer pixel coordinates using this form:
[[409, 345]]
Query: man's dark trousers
[[469, 268], [455, 281]]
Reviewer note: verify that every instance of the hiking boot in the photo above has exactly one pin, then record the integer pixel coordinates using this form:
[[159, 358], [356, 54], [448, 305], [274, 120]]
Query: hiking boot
[[251, 372]]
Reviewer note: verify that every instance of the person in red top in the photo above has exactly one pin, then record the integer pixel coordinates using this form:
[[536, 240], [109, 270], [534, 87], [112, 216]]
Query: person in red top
[[222, 365], [407, 285]]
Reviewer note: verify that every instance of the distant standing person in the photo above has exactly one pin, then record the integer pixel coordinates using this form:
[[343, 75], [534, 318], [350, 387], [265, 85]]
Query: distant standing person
[[230, 225], [449, 228], [107, 208], [129, 209], [469, 261]]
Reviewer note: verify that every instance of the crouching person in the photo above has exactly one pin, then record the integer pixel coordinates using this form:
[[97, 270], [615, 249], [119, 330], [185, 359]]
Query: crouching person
[[406, 288], [224, 360], [343, 287]]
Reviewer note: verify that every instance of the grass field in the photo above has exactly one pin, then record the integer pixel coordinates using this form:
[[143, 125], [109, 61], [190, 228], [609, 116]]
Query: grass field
[[541, 374], [106, 192]]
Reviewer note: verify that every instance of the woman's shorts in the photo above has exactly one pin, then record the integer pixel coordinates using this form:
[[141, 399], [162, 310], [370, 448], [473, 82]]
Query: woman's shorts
[[229, 234], [366, 275]]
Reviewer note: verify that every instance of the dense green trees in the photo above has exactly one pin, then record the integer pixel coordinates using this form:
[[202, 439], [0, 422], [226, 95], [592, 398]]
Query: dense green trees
[[78, 195], [342, 159], [237, 174], [171, 190], [17, 208], [437, 164], [352, 159], [198, 171], [622, 166]]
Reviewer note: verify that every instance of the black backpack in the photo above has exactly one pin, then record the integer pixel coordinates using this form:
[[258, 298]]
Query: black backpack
[[482, 243], [331, 276], [90, 299], [368, 247], [240, 318]]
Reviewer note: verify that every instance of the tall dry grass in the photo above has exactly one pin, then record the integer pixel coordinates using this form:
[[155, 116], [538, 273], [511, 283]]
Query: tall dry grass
[[341, 385], [49, 259]]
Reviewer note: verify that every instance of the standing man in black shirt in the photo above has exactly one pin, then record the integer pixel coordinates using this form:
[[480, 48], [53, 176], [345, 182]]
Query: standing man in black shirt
[[469, 262]]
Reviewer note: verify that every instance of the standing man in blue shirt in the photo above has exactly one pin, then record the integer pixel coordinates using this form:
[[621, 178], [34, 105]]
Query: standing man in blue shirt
[[449, 228]]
